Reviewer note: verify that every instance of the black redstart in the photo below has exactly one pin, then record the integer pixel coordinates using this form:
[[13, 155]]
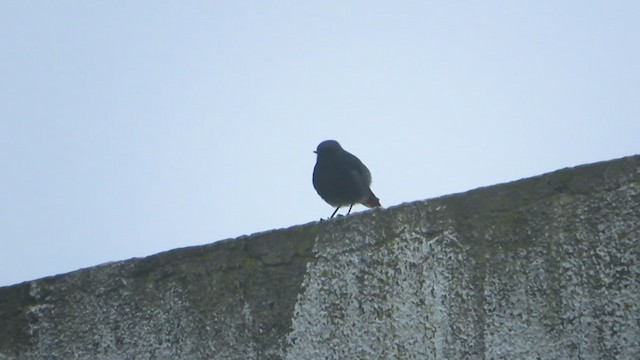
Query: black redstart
[[341, 179]]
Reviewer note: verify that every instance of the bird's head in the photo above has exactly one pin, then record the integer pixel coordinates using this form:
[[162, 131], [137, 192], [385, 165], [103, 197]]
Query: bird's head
[[328, 146]]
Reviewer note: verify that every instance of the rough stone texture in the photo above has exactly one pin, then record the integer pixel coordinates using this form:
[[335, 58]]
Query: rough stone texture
[[541, 268]]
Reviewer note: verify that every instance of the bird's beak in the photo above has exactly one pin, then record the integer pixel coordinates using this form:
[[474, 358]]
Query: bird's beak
[[315, 152]]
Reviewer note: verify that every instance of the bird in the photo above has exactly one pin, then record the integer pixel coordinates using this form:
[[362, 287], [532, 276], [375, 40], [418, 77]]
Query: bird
[[341, 179]]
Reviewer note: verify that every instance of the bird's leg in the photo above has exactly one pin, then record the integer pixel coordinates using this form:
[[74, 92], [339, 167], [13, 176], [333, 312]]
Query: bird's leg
[[334, 213], [349, 212]]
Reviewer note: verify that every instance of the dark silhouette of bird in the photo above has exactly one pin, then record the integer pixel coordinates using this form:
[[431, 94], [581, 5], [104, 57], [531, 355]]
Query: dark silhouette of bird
[[341, 179]]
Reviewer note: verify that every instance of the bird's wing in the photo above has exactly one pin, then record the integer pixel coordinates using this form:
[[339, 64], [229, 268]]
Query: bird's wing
[[359, 170]]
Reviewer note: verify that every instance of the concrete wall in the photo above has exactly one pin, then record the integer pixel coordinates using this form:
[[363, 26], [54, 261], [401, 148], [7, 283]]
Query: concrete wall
[[542, 268]]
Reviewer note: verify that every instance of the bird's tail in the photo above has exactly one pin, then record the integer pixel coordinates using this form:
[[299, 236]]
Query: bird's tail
[[371, 201]]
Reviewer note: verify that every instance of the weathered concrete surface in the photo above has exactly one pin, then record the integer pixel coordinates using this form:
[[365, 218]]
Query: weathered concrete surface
[[542, 268]]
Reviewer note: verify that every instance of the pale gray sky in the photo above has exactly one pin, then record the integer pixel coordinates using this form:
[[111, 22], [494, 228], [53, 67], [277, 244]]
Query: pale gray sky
[[132, 127]]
